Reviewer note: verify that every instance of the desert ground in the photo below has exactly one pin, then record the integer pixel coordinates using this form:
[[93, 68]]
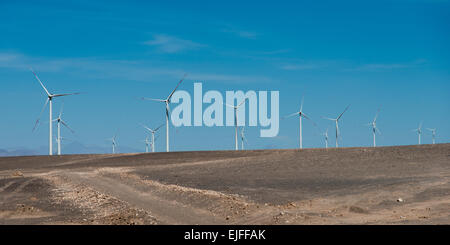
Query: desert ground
[[383, 185]]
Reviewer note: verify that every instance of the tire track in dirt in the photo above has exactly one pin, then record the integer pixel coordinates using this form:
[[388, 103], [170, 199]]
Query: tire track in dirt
[[165, 211]]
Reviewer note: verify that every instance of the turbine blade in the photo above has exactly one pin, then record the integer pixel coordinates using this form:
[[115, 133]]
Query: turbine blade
[[232, 106], [167, 110], [159, 127], [242, 102], [60, 111], [160, 100], [40, 114], [60, 95], [378, 130], [291, 115], [67, 126], [343, 112], [46, 91], [115, 135], [149, 129], [170, 95], [305, 116], [301, 105], [376, 116], [331, 119]]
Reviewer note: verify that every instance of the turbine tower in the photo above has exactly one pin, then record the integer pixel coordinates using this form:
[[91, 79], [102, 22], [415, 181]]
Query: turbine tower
[[147, 143], [60, 121], [337, 124], [61, 140], [433, 131], [419, 130], [167, 102], [49, 100], [235, 121], [152, 131], [374, 128], [243, 138], [153, 143], [301, 115], [326, 138]]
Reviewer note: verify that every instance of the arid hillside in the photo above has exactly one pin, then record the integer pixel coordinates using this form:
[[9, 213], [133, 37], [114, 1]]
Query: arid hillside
[[383, 185]]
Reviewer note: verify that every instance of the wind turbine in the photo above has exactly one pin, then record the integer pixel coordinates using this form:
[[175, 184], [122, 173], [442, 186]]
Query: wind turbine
[[60, 121], [167, 102], [147, 143], [243, 138], [114, 143], [337, 124], [235, 120], [419, 130], [152, 131], [50, 97], [374, 127], [433, 131], [301, 115], [326, 138]]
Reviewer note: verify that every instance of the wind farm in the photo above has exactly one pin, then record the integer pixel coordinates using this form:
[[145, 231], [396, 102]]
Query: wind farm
[[235, 109], [301, 115], [49, 101], [235, 113], [60, 121], [167, 103], [152, 187], [375, 130], [152, 132], [336, 120]]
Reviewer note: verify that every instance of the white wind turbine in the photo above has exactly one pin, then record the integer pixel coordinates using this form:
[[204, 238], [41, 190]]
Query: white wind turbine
[[243, 138], [326, 138], [301, 114], [60, 121], [50, 97], [147, 143], [152, 131], [419, 130], [337, 124], [62, 140], [433, 131], [114, 143], [235, 121], [374, 127], [167, 102]]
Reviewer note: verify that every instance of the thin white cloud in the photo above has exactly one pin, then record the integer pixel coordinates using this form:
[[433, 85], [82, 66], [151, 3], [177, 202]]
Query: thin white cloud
[[279, 51], [241, 33], [350, 66], [297, 67], [388, 66], [118, 69], [169, 44], [12, 60]]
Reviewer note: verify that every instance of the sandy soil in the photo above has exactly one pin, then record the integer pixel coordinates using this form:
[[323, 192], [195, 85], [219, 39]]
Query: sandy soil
[[385, 185]]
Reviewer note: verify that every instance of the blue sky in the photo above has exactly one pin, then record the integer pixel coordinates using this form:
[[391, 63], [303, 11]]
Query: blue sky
[[393, 54]]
